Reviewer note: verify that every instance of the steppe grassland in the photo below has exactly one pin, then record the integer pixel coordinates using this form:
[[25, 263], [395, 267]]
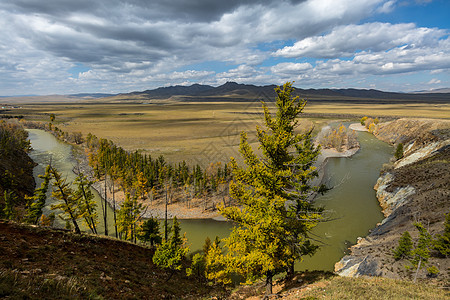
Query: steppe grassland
[[197, 132], [416, 110]]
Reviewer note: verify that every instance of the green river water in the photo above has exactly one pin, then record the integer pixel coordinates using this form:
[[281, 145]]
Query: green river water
[[352, 200]]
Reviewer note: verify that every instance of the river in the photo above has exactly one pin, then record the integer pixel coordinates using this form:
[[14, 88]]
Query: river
[[45, 148], [352, 201]]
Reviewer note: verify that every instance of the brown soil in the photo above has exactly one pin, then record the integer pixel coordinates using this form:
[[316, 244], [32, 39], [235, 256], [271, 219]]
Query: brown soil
[[104, 267]]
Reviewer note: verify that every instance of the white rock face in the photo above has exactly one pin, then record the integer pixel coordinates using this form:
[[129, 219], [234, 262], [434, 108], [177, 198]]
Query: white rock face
[[420, 153], [389, 201]]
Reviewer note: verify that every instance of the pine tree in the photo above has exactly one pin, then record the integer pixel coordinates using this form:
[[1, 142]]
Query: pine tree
[[127, 218], [442, 242], [34, 211], [8, 209], [69, 205], [399, 151], [149, 232], [86, 202], [404, 247], [421, 253], [274, 215], [171, 252]]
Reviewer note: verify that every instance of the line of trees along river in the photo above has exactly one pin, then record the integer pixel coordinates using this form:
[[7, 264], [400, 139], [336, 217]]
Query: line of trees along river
[[351, 202]]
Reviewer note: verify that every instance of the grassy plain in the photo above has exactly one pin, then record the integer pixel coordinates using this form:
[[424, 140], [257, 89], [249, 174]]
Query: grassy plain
[[197, 132]]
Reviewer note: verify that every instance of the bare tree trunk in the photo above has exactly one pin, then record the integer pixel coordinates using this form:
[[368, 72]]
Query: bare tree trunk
[[105, 212], [165, 219], [290, 271], [114, 208], [269, 283], [417, 271]]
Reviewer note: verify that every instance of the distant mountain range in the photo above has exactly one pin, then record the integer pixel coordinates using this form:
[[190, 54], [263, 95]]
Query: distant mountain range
[[445, 90], [232, 91], [90, 95]]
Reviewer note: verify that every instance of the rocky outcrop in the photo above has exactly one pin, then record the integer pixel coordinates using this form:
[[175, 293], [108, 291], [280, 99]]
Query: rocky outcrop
[[414, 188], [390, 201]]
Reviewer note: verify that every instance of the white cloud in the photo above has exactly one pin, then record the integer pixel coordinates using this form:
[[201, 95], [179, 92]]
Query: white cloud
[[243, 73], [387, 7], [434, 81], [135, 44], [290, 68], [348, 39]]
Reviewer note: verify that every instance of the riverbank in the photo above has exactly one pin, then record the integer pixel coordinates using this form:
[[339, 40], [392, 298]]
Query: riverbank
[[358, 127], [327, 153], [415, 188]]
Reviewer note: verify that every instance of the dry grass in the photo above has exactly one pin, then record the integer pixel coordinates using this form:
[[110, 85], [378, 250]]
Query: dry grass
[[423, 110], [370, 288], [195, 132], [326, 285]]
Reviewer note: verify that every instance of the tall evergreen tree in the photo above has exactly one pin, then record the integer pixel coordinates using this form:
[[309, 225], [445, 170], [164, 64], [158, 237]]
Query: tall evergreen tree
[[405, 246], [86, 202], [34, 210], [150, 232], [128, 216], [442, 242], [274, 215], [172, 251], [69, 204]]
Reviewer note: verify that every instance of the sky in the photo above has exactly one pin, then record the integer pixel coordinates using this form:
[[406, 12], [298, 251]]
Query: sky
[[115, 46]]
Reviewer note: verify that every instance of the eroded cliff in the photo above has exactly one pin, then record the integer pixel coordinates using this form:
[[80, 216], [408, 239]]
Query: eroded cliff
[[413, 188]]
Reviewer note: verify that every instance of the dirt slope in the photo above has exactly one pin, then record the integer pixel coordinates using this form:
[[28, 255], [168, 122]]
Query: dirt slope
[[83, 266]]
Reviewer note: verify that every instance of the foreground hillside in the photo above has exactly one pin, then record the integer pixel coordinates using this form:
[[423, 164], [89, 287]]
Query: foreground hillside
[[43, 263]]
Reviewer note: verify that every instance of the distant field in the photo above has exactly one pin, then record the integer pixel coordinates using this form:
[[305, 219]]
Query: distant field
[[422, 110], [196, 132]]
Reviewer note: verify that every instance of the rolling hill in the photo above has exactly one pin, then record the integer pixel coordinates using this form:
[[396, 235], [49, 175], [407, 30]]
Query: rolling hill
[[232, 91]]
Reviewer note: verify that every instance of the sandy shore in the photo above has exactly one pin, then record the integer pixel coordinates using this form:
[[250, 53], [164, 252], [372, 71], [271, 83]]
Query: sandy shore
[[358, 127]]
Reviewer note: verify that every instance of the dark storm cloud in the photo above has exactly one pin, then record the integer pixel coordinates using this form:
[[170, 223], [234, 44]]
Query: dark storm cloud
[[183, 30], [186, 10], [50, 7]]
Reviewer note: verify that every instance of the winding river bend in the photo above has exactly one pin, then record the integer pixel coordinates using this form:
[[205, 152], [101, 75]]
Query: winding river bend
[[352, 201]]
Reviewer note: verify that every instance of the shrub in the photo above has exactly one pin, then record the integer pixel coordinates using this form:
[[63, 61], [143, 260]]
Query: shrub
[[404, 247], [442, 242], [368, 122], [432, 271], [399, 151], [363, 121]]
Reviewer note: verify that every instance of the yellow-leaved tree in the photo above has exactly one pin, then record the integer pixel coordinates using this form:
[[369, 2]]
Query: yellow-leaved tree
[[274, 215]]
